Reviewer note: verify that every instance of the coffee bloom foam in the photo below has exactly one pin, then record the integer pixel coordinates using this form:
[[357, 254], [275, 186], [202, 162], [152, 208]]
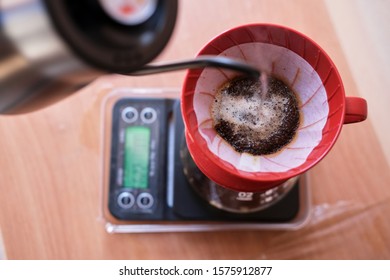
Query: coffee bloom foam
[[254, 106], [298, 74]]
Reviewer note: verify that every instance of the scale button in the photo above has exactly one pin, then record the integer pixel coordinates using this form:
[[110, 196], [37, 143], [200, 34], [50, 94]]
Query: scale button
[[126, 200], [145, 200], [129, 114], [148, 115]]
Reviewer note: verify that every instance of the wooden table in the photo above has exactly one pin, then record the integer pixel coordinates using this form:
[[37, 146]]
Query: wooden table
[[50, 159]]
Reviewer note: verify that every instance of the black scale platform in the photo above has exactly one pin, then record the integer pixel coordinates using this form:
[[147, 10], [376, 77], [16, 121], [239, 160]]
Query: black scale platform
[[187, 205]]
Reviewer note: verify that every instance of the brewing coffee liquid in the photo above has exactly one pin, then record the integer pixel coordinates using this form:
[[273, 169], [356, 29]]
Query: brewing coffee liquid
[[258, 117]]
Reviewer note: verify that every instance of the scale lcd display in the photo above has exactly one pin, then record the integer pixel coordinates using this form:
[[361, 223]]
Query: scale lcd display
[[136, 157]]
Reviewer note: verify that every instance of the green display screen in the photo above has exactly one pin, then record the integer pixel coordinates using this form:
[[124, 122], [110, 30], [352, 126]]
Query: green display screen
[[136, 158]]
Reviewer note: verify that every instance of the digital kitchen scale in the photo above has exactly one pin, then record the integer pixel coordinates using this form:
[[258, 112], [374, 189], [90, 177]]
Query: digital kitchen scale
[[145, 188]]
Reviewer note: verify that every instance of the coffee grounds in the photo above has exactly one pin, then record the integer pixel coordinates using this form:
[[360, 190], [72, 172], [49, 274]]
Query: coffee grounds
[[256, 118]]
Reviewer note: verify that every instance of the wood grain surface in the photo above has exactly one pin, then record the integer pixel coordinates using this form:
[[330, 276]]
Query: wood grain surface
[[50, 176]]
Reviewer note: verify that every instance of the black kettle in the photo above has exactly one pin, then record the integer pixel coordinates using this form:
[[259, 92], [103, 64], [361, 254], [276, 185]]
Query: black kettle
[[52, 47]]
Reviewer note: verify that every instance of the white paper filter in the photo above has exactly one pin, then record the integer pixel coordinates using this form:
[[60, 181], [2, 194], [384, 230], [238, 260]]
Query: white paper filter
[[300, 76]]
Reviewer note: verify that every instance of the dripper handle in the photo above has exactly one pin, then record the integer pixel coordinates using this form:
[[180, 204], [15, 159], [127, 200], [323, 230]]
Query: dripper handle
[[355, 109]]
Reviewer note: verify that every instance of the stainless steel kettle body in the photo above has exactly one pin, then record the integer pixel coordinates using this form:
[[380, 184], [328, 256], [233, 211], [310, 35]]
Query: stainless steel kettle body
[[50, 48]]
